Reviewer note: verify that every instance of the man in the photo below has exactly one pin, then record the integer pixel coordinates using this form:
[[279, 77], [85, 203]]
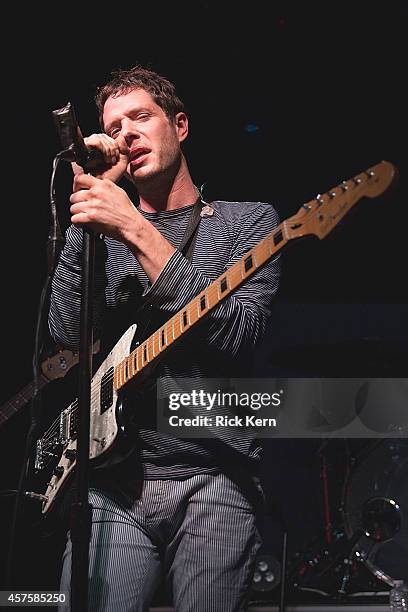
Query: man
[[184, 508]]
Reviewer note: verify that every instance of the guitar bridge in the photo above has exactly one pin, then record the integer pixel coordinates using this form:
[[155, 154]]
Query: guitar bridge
[[39, 457]]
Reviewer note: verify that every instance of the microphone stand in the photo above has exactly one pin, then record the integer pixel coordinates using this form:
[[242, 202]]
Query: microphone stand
[[81, 509], [282, 593], [277, 512]]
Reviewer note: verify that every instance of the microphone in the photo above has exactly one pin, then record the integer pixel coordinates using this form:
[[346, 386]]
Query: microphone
[[74, 147]]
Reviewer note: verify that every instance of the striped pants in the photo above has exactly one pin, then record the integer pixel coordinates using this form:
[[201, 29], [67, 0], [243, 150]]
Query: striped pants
[[200, 533]]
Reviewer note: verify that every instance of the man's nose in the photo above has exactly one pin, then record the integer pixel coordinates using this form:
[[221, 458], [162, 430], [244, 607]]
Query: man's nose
[[129, 131]]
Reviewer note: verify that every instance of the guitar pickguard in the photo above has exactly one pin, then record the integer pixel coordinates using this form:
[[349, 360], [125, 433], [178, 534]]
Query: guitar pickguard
[[103, 423]]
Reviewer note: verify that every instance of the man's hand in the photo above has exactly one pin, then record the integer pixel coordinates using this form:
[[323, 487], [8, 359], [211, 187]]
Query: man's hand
[[103, 206], [106, 208], [115, 154]]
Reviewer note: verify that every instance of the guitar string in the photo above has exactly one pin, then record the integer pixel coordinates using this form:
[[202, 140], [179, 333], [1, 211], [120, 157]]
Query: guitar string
[[72, 409]]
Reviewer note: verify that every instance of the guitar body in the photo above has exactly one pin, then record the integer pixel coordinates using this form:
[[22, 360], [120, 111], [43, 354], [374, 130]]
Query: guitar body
[[108, 425]]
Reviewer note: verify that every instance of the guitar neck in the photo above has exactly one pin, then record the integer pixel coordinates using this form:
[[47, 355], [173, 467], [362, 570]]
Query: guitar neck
[[194, 311], [318, 216], [14, 404]]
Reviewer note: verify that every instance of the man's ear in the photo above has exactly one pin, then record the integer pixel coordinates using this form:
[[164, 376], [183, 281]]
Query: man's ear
[[181, 122]]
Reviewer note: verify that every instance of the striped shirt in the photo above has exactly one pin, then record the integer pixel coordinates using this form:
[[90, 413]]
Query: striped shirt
[[219, 345]]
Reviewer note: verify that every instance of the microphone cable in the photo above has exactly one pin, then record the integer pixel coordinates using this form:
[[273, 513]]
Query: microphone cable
[[55, 244]]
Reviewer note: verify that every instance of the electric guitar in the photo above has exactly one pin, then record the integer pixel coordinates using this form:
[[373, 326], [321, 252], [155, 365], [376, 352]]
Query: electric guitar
[[57, 447], [55, 366]]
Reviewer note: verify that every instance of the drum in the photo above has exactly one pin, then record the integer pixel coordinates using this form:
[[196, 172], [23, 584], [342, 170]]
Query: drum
[[380, 471]]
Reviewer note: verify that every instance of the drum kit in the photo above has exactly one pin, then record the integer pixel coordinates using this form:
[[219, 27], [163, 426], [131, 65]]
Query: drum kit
[[368, 549], [360, 430], [376, 502]]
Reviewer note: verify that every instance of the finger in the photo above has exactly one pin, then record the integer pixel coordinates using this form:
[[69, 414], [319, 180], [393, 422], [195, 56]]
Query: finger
[[122, 145], [106, 145], [76, 168], [83, 213], [80, 219], [85, 181], [109, 149], [79, 196], [76, 208], [83, 219]]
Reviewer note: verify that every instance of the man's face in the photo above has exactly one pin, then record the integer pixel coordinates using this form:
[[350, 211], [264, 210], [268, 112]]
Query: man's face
[[153, 139]]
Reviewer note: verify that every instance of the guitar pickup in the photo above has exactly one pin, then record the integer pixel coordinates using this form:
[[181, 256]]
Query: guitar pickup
[[106, 390], [64, 425]]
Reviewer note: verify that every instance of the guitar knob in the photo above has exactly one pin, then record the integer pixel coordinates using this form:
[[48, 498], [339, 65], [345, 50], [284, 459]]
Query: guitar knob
[[58, 471], [70, 454]]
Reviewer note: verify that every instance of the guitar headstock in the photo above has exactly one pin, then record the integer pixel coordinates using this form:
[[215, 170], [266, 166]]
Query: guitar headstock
[[58, 365], [321, 215]]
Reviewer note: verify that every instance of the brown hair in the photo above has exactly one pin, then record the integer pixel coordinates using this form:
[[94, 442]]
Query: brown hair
[[122, 81]]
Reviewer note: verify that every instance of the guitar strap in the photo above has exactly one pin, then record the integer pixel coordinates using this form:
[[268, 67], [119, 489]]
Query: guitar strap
[[190, 235], [146, 313]]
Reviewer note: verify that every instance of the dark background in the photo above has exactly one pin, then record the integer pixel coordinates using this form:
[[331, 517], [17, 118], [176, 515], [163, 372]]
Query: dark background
[[285, 100]]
